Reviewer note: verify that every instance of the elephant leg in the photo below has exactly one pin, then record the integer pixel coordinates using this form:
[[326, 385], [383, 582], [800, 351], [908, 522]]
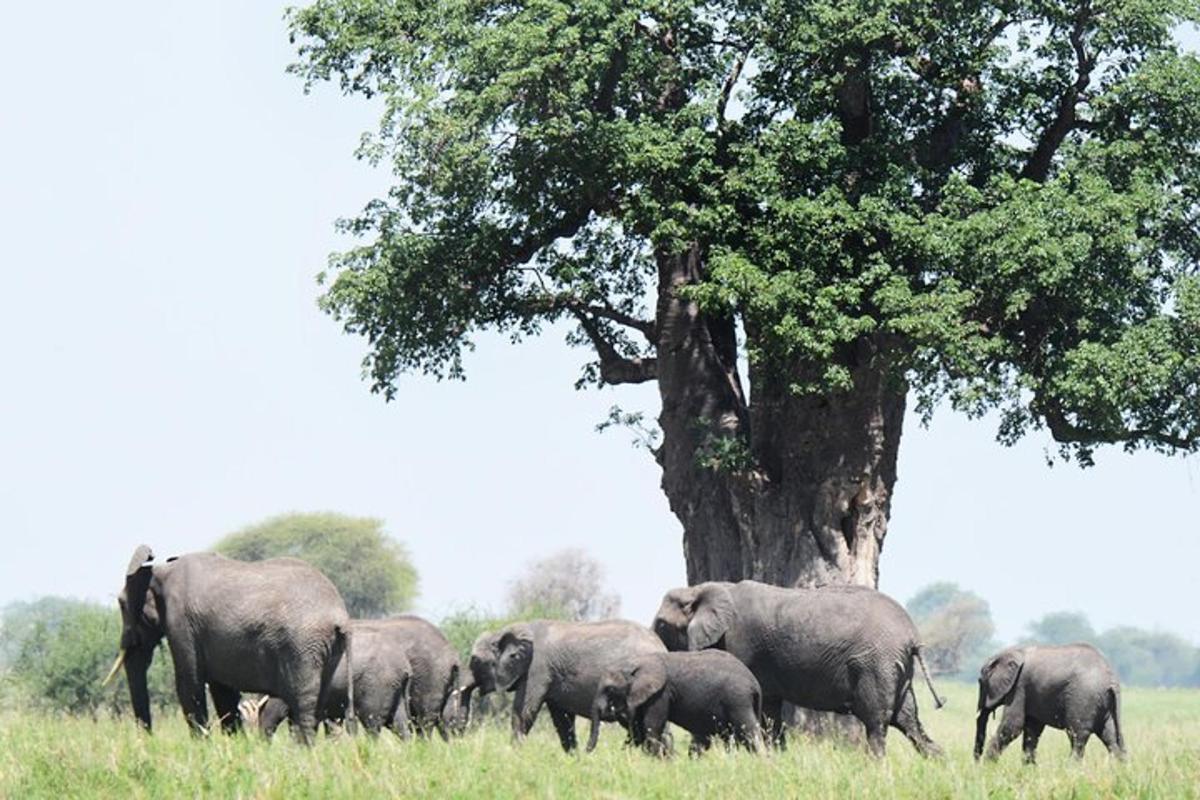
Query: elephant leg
[[1029, 742], [746, 731], [225, 701], [1108, 735], [564, 723], [302, 713], [699, 745], [193, 699], [1011, 726], [1078, 743], [399, 722], [654, 725], [909, 723], [772, 709], [527, 702]]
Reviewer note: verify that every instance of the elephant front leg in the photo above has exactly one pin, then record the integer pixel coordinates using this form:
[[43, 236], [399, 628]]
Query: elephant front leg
[[1029, 742], [1011, 726], [193, 699], [225, 701], [564, 724], [772, 709], [527, 702]]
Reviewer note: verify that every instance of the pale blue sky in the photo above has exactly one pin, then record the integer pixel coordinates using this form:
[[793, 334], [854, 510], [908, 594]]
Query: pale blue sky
[[167, 194]]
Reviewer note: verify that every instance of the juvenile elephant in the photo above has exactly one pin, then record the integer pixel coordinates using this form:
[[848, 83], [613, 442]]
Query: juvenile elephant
[[275, 627], [436, 673], [1070, 687], [708, 693], [555, 663], [383, 677], [847, 649]]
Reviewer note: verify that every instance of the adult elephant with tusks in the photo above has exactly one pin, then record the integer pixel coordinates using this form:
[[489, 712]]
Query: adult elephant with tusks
[[847, 649], [276, 627], [554, 663]]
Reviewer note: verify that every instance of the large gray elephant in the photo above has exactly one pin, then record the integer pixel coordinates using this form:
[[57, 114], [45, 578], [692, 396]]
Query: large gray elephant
[[555, 663], [382, 680], [847, 649], [275, 627], [1071, 687], [708, 693]]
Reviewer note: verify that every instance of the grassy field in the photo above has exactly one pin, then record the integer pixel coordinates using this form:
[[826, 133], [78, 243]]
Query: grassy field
[[109, 758]]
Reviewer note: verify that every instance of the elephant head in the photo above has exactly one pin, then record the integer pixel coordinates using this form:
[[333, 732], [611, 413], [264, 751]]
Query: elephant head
[[623, 690], [695, 617], [499, 660], [141, 631], [997, 682]]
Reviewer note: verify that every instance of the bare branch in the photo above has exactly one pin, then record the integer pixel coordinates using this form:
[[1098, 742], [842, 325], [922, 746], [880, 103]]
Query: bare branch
[[1038, 166], [614, 367], [731, 81]]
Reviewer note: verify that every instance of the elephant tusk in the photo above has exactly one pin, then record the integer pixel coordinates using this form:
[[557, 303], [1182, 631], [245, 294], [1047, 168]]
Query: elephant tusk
[[262, 701], [116, 666]]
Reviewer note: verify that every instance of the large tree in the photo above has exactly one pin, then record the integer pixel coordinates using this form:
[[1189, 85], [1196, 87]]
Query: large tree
[[793, 216]]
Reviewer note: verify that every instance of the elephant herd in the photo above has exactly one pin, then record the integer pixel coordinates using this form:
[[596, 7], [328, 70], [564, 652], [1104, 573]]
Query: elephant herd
[[719, 661]]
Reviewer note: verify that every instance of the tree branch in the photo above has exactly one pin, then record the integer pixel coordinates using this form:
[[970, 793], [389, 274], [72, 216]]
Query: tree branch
[[1038, 166], [614, 367], [731, 81], [1067, 432]]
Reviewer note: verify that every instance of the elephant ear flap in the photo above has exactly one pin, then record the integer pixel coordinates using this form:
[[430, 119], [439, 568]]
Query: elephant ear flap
[[141, 558], [520, 637], [712, 613], [1000, 677], [647, 679]]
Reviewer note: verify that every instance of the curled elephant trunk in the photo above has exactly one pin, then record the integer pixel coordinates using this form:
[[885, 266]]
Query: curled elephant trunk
[[597, 707]]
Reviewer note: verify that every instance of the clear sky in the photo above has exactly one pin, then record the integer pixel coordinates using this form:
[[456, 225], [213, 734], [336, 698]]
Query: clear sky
[[167, 195]]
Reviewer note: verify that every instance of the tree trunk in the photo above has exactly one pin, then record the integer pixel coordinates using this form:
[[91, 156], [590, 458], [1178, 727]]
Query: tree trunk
[[793, 490]]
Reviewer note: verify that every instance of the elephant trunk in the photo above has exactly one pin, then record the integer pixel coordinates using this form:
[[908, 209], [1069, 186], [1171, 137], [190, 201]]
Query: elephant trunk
[[597, 707], [137, 664], [464, 700]]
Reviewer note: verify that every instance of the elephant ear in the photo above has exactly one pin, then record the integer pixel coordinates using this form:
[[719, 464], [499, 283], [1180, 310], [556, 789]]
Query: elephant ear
[[712, 614], [137, 582], [646, 679], [515, 639], [999, 678]]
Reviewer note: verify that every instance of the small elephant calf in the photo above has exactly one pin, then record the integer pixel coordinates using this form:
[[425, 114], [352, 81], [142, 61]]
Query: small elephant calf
[[708, 693], [1070, 687]]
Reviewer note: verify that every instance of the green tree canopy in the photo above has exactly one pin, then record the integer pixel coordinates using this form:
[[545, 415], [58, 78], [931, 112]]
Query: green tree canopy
[[59, 651], [1062, 627], [956, 628], [990, 203], [370, 569]]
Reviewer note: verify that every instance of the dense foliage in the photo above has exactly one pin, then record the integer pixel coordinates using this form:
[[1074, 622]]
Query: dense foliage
[[956, 629], [372, 571], [995, 200], [58, 650]]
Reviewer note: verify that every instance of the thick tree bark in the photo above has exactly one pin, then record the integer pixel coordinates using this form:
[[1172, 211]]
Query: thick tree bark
[[806, 499]]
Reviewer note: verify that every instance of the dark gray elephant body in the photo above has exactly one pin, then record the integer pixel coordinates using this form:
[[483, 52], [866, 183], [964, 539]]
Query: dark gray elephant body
[[847, 649], [554, 663], [1070, 687], [707, 693], [382, 681], [275, 627], [436, 674]]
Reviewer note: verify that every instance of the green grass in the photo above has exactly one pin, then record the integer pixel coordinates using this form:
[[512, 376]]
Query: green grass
[[80, 758]]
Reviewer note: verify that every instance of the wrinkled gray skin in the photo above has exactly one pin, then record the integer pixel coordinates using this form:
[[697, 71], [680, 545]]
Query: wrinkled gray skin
[[433, 693], [707, 693], [847, 649], [382, 680], [275, 627], [1070, 687], [555, 663]]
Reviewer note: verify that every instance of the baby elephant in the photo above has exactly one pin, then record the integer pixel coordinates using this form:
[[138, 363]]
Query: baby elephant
[[1070, 687], [708, 693]]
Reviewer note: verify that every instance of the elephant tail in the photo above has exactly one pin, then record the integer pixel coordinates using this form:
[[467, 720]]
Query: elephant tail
[[344, 637], [448, 713], [938, 702], [1114, 705]]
